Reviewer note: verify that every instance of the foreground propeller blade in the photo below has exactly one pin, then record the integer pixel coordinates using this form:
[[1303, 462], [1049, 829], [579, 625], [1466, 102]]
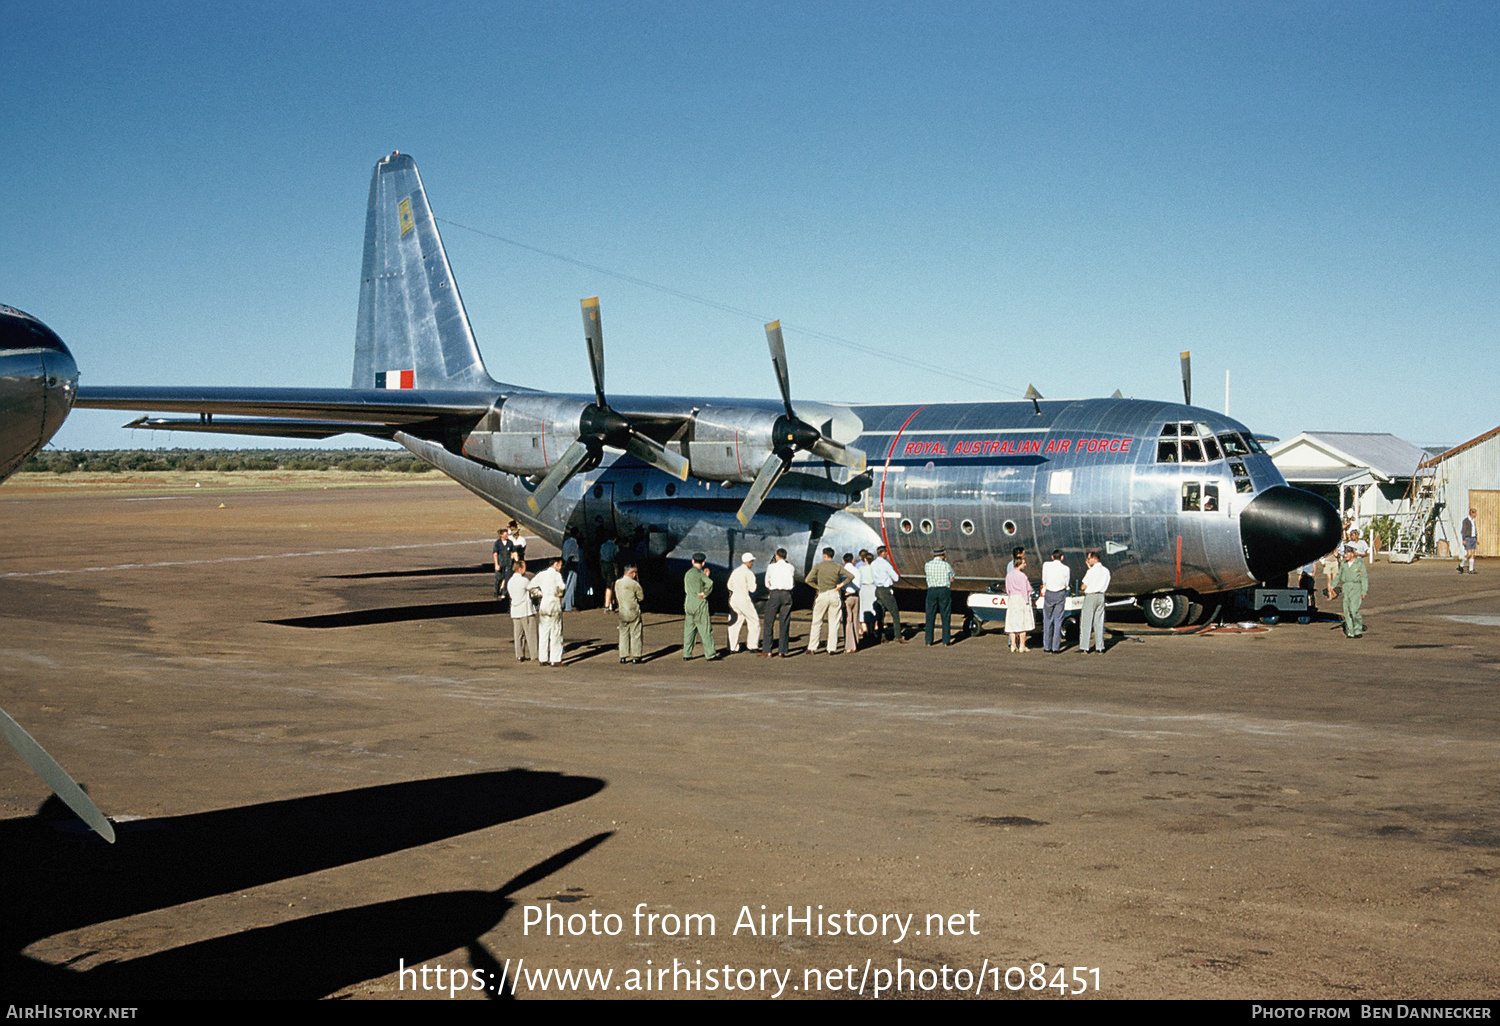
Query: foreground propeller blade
[[778, 360], [561, 473], [769, 472], [837, 452], [55, 777], [593, 330], [1187, 377], [649, 450]]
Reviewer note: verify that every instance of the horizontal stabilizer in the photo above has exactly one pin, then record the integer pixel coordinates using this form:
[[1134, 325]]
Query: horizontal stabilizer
[[268, 427], [367, 404]]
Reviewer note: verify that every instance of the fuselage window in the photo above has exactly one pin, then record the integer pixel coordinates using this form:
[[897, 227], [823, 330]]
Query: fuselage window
[[1192, 496], [1166, 450], [1242, 484], [967, 527], [926, 526], [1210, 498], [1212, 447], [637, 488], [1192, 451], [1009, 527], [906, 527], [1238, 469], [671, 490]]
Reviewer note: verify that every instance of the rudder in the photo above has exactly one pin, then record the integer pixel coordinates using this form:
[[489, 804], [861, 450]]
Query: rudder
[[413, 331]]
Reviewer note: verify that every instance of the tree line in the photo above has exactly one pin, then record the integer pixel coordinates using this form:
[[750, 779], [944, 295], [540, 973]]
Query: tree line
[[136, 461]]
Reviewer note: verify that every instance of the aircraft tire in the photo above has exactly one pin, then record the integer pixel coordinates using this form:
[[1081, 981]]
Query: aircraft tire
[[1166, 611]]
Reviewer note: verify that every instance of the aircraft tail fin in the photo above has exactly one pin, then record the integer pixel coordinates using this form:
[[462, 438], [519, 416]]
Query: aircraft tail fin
[[413, 330]]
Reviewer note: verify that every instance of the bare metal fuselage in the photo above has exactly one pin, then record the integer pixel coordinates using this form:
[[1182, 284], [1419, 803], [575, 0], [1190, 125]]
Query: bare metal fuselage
[[978, 479]]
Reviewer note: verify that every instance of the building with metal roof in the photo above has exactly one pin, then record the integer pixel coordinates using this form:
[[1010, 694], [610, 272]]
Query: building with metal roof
[[1364, 474]]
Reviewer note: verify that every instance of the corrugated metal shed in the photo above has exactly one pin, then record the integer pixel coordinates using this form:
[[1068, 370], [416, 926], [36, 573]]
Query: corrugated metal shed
[[1468, 476]]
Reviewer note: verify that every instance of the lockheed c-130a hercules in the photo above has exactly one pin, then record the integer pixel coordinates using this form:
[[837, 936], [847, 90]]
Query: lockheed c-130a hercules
[[1182, 503]]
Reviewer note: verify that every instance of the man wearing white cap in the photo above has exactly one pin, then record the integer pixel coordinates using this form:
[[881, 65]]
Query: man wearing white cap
[[741, 589]]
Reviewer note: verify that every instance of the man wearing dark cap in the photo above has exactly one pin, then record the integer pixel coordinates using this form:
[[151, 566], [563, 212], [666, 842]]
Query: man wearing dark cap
[[940, 576], [696, 587]]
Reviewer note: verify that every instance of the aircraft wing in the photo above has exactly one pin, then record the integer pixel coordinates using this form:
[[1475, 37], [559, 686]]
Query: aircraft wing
[[293, 412]]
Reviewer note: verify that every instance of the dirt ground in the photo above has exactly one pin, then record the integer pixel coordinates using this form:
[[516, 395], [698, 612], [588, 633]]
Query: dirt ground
[[302, 711]]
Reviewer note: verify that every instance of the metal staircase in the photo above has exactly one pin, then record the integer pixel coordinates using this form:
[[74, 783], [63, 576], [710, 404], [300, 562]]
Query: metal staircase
[[1417, 515]]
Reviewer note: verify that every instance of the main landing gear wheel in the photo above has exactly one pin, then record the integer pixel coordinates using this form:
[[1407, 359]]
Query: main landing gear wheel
[[1166, 611]]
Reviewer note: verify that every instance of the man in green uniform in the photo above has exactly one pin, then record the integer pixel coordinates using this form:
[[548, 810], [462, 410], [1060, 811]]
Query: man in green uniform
[[628, 598], [696, 587], [1353, 583]]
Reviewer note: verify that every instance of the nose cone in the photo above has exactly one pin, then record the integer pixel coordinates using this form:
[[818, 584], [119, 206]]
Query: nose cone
[[38, 383], [60, 383], [1283, 528]]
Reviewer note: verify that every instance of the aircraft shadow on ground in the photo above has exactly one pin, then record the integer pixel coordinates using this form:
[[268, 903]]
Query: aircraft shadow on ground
[[438, 571], [392, 614], [56, 879]]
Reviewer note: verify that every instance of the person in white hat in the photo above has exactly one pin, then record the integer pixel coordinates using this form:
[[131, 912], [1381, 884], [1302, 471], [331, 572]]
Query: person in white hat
[[741, 589]]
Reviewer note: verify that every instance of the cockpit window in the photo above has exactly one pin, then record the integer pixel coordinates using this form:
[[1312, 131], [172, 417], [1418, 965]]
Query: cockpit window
[[1169, 431], [1254, 445], [1233, 445], [1166, 449], [1200, 497], [1192, 451], [1212, 448]]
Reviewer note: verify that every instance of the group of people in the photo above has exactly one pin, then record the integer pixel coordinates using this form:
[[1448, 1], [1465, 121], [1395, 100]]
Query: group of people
[[1057, 580], [853, 596], [854, 600]]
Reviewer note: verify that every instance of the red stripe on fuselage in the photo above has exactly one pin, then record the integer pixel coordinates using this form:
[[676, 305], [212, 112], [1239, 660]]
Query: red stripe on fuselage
[[885, 472]]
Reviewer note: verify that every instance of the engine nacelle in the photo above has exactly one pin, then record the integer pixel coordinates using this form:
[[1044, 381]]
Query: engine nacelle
[[730, 443], [526, 434]]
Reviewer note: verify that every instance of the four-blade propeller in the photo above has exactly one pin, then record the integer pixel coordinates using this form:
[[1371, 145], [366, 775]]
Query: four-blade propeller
[[791, 434], [600, 426]]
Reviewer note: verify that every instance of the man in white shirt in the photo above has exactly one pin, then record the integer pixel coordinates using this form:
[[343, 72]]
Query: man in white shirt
[[741, 602], [522, 612], [553, 587], [1056, 577], [779, 583], [885, 596], [1091, 622]]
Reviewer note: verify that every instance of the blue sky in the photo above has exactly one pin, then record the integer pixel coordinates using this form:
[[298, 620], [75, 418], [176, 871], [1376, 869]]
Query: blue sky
[[1302, 194]]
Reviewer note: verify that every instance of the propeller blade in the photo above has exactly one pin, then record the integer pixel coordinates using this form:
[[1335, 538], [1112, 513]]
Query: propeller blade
[[561, 473], [1187, 377], [55, 777], [770, 471], [778, 360], [837, 452], [593, 330], [649, 450]]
